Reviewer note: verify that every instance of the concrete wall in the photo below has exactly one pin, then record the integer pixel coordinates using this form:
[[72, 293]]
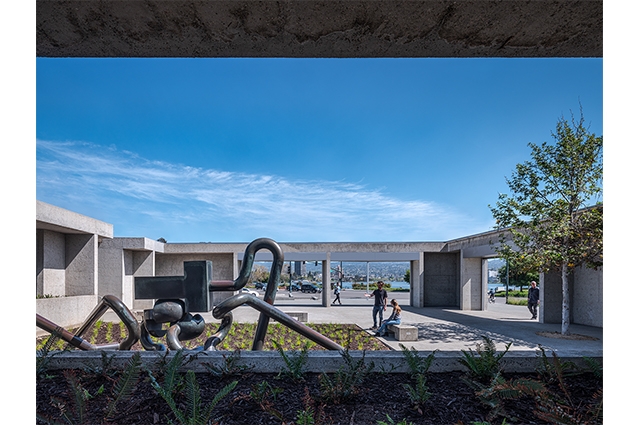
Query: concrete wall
[[67, 311], [50, 263], [588, 295], [585, 297], [471, 284], [82, 266], [441, 279]]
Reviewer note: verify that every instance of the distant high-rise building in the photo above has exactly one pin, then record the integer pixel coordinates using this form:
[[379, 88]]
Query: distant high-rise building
[[300, 268]]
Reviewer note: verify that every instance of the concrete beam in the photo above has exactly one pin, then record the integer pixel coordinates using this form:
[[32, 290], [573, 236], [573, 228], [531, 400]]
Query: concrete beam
[[319, 28], [50, 217]]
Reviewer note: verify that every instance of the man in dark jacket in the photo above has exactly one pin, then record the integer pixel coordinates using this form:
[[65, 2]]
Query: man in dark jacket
[[379, 304], [533, 300]]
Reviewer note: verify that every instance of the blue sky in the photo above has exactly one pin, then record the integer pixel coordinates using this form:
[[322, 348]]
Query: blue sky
[[298, 150]]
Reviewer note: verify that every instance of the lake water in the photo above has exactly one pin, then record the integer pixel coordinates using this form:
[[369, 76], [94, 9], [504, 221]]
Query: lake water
[[372, 285]]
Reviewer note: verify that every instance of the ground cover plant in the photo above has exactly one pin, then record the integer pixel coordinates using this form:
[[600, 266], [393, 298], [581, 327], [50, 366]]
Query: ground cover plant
[[358, 393]]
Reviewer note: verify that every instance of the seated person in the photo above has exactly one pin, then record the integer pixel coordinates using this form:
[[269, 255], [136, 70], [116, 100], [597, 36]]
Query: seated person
[[394, 319]]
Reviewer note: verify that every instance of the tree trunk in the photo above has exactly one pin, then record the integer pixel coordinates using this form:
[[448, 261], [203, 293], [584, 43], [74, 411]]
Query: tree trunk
[[565, 299]]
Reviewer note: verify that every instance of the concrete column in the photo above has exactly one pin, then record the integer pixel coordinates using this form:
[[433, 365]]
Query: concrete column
[[50, 263], [81, 255], [326, 281], [465, 284], [417, 282], [143, 264], [485, 283]]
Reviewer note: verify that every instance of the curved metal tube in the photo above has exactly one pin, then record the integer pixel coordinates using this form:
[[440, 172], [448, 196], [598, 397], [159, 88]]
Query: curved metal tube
[[125, 315], [108, 301], [147, 342], [212, 342], [173, 338], [247, 265], [243, 278], [269, 311], [60, 332]]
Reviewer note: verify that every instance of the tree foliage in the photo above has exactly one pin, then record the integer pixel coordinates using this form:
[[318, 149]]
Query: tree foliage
[[554, 213]]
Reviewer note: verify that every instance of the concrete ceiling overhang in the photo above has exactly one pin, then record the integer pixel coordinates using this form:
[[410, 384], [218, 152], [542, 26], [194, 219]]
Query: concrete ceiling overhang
[[319, 29]]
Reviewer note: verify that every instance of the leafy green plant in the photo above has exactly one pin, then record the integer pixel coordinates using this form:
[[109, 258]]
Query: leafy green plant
[[500, 389], [344, 384], [313, 412], [124, 386], [74, 412], [594, 366], [230, 367], [295, 362], [45, 354], [265, 395], [305, 417], [554, 370], [418, 366], [194, 412], [483, 364], [561, 410], [418, 393]]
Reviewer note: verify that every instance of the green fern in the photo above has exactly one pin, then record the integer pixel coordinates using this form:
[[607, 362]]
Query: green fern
[[483, 364], [124, 386], [79, 395], [194, 413], [294, 362], [419, 395], [594, 366], [500, 390], [345, 383], [230, 367], [418, 365]]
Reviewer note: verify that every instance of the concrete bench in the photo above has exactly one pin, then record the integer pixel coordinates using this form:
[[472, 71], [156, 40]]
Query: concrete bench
[[404, 332], [300, 316]]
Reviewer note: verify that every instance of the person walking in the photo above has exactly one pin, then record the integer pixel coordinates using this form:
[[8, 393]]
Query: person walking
[[394, 319], [379, 304], [336, 292], [533, 299]]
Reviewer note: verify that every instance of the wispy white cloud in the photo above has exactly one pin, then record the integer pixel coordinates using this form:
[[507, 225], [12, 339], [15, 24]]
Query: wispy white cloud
[[183, 203]]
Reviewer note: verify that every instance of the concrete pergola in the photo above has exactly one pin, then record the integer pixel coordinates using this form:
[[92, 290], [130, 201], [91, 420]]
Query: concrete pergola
[[319, 28], [311, 29]]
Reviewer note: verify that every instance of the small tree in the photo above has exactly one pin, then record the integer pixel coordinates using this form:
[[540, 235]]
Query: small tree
[[259, 274], [521, 272], [554, 215]]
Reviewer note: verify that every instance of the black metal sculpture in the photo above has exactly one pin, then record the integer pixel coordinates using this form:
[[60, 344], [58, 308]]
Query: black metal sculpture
[[177, 297]]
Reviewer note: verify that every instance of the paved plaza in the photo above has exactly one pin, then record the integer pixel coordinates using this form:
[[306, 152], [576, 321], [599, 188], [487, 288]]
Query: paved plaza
[[442, 329]]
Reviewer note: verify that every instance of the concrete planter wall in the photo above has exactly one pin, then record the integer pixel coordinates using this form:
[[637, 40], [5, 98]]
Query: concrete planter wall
[[66, 311]]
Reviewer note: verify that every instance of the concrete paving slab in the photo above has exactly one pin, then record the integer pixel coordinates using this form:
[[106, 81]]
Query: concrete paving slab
[[444, 329]]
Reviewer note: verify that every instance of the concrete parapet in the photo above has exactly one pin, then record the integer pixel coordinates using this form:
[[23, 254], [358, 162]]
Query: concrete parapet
[[272, 361], [66, 311]]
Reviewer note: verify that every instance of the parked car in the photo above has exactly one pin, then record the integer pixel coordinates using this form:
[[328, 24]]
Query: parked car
[[294, 287], [310, 287], [260, 285], [249, 291]]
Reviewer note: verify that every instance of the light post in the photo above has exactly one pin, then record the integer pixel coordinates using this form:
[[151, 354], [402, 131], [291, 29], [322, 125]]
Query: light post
[[507, 294]]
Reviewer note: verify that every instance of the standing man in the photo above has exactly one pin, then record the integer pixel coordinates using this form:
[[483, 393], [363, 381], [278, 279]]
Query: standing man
[[379, 304], [336, 292], [533, 300]]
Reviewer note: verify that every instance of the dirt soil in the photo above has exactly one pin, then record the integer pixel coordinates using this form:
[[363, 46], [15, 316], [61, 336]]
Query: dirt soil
[[270, 399]]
